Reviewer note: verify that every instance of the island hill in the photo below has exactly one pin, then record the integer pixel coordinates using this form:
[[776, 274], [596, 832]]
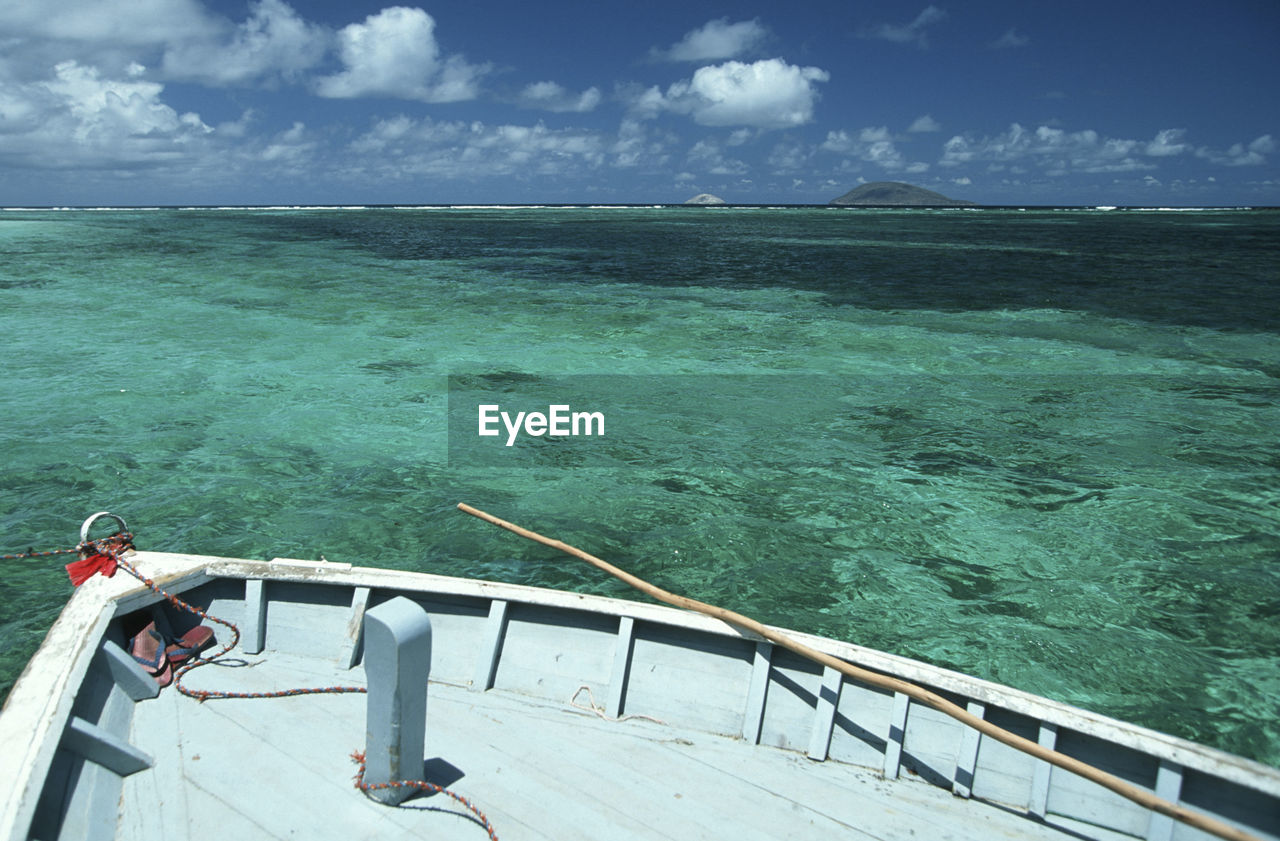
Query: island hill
[[896, 194], [875, 194]]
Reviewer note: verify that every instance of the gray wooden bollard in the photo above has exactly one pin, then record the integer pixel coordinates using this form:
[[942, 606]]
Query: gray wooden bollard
[[397, 662]]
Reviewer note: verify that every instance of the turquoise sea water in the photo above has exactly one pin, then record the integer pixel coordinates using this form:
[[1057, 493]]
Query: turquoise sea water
[[1039, 447]]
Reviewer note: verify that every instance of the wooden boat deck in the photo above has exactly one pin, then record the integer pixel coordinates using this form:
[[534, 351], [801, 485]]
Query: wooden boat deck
[[539, 770], [758, 743]]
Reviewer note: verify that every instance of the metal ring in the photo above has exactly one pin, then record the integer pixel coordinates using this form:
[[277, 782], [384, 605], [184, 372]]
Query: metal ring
[[84, 530]]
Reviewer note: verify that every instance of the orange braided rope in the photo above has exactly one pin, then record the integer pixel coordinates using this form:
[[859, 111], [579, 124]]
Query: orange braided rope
[[1109, 781], [358, 758]]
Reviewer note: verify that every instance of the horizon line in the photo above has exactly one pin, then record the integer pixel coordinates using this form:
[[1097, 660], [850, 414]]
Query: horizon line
[[623, 205]]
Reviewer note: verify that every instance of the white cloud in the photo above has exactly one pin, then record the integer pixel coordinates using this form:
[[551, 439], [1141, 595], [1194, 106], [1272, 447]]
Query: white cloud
[[273, 40], [120, 22], [107, 34], [788, 157], [236, 128], [1055, 151], [908, 33], [1011, 38], [78, 119], [925, 124], [764, 94], [394, 54], [288, 153], [1241, 155], [1167, 142], [637, 147], [642, 103], [958, 150], [404, 147], [629, 148], [550, 96], [874, 145], [715, 40], [706, 156]]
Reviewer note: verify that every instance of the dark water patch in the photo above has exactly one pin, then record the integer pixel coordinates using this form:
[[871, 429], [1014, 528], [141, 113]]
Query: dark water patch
[[1040, 504], [394, 367], [675, 485], [1148, 267], [1002, 607], [1241, 460], [1251, 397], [24, 283], [500, 380], [251, 304], [965, 581]]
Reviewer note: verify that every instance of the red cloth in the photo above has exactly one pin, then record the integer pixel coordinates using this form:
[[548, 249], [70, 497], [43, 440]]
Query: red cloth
[[84, 569]]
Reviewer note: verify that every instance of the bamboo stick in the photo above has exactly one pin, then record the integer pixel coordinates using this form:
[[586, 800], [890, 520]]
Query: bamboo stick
[[1111, 782]]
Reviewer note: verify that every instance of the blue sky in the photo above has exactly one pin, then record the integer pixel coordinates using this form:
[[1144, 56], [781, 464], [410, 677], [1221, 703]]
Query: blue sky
[[493, 101]]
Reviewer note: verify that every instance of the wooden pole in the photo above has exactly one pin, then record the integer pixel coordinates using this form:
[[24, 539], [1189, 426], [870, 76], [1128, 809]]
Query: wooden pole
[[1109, 781]]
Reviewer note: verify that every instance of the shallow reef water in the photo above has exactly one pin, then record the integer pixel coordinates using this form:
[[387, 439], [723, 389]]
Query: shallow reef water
[[1037, 446]]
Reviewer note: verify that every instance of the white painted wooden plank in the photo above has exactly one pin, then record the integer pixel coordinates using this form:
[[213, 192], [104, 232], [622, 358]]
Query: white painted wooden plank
[[757, 693], [490, 646], [350, 650], [307, 565], [87, 739], [159, 727], [700, 681], [1043, 772], [932, 741], [1078, 830], [172, 573], [794, 686], [92, 806], [897, 733], [861, 726], [621, 666], [967, 757], [254, 633], [909, 810], [304, 618], [1072, 796], [457, 632], [548, 653], [1003, 773], [128, 673], [1168, 787], [824, 714]]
